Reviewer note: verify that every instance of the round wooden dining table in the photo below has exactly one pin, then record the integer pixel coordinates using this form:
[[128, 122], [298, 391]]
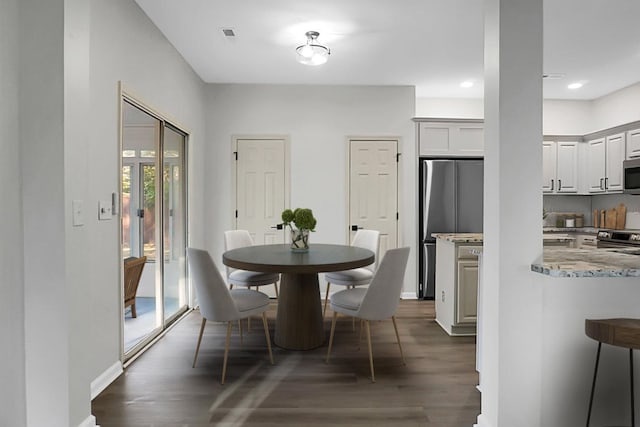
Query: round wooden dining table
[[299, 323]]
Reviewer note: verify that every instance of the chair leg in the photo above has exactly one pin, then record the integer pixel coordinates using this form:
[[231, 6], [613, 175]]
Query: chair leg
[[326, 300], [373, 378], [241, 334], [266, 334], [333, 330], [199, 340], [395, 326], [275, 285], [133, 310], [633, 415], [226, 351], [593, 384]]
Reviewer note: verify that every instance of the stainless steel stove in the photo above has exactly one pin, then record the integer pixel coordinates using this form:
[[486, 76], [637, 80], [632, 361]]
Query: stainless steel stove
[[618, 238]]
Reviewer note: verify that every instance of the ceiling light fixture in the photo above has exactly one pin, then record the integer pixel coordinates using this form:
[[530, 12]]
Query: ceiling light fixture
[[576, 85], [466, 84], [312, 53]]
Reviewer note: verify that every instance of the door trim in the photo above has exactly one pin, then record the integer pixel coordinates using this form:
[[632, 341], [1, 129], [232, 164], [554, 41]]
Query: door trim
[[234, 170], [399, 181]]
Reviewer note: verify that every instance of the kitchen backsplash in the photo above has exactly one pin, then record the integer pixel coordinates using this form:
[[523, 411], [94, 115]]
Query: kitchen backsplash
[[586, 204]]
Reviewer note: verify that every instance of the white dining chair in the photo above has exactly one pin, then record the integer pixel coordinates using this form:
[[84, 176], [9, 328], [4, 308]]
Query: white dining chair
[[219, 304], [234, 239], [377, 302], [368, 239]]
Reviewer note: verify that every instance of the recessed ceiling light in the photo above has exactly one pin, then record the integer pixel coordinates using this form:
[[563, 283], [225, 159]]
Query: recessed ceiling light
[[576, 85], [466, 84]]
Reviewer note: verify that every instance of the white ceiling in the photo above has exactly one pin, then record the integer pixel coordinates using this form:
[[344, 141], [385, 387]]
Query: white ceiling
[[431, 44]]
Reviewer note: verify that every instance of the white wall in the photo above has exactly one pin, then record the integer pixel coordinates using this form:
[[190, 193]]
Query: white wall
[[620, 107], [560, 117], [12, 350], [318, 120], [460, 108], [127, 47], [565, 117]]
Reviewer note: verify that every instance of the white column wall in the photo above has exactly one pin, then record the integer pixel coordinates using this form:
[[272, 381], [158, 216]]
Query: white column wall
[[319, 119], [47, 329], [12, 350], [511, 377]]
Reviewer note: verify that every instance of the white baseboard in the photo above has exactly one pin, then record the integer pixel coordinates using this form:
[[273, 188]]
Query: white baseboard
[[106, 378], [89, 422], [408, 295]]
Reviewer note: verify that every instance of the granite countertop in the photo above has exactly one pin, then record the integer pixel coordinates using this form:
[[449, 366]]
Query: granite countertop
[[477, 237], [459, 237], [581, 230], [565, 262]]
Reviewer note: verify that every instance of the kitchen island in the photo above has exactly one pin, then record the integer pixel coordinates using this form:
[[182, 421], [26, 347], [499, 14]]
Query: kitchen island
[[574, 285], [457, 278]]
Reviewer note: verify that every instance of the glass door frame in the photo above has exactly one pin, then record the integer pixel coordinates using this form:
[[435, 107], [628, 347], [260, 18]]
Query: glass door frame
[[158, 162]]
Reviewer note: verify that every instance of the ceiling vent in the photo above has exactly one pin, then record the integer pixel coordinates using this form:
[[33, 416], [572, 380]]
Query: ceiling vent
[[553, 76], [228, 32]]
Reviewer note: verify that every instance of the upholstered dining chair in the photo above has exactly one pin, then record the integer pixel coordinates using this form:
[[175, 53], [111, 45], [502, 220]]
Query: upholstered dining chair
[[132, 273], [368, 239], [234, 239], [219, 304], [377, 302]]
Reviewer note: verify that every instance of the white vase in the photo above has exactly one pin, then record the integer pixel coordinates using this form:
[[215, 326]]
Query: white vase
[[299, 240]]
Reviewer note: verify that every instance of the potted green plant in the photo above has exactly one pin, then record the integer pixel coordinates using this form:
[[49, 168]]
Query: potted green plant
[[304, 222]]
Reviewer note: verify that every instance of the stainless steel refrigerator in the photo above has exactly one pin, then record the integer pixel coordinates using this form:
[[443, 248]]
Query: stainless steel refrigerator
[[451, 195]]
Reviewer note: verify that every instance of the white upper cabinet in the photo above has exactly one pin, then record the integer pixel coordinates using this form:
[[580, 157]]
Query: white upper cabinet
[[451, 139], [604, 163], [633, 144], [615, 157], [560, 167]]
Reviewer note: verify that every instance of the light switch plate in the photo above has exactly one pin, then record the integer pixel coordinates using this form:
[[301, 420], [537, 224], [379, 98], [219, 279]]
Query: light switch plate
[[104, 210], [77, 207]]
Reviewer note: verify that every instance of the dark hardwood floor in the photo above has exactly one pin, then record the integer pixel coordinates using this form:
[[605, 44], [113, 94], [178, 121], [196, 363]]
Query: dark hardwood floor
[[435, 388]]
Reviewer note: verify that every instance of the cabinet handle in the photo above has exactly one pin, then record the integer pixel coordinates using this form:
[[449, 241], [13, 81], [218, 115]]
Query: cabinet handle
[[559, 184], [601, 187], [606, 183], [551, 185]]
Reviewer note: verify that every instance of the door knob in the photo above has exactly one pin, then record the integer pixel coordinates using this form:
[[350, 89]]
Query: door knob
[[355, 228], [278, 226]]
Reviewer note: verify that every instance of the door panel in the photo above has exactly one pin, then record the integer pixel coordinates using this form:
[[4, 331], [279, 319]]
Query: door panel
[[373, 184], [260, 188]]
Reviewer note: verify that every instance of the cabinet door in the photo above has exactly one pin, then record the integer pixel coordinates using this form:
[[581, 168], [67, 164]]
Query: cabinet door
[[567, 167], [596, 165], [633, 143], [615, 156], [548, 166], [469, 140], [467, 292], [435, 139]]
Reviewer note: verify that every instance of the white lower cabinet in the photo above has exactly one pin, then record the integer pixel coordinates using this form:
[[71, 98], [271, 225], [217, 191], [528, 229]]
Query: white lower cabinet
[[457, 286]]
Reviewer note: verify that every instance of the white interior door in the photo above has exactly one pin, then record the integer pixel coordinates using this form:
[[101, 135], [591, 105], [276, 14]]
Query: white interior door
[[261, 188], [373, 189]]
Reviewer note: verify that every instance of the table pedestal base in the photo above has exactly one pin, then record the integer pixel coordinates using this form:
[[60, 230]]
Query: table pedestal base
[[299, 323]]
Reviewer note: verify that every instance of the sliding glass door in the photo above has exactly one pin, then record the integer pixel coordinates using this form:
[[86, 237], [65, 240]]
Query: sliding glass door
[[154, 224]]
